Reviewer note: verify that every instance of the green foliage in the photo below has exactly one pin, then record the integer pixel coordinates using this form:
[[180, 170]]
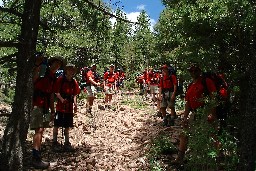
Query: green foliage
[[7, 95], [203, 141], [136, 103], [180, 103], [161, 145]]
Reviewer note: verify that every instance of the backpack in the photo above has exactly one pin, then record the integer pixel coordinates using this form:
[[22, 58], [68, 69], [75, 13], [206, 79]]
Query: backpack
[[84, 78], [38, 93], [173, 71], [220, 84]]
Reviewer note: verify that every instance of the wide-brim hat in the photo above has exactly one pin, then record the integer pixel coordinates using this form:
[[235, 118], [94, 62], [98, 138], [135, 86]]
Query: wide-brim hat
[[70, 66], [164, 67], [57, 58], [194, 67]]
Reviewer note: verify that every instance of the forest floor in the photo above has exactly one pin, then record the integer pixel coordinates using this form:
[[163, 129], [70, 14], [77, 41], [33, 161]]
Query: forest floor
[[116, 139]]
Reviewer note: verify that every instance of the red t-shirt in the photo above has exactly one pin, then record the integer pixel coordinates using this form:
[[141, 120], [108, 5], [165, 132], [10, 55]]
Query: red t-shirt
[[91, 74], [152, 78], [145, 77], [139, 79], [195, 92], [121, 76], [167, 82], [110, 78], [43, 88], [67, 89]]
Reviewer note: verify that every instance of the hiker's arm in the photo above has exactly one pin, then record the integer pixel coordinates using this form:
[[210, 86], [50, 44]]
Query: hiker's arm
[[52, 103], [186, 113], [36, 73], [75, 104], [93, 82], [60, 97], [174, 92], [174, 81], [212, 92], [160, 93]]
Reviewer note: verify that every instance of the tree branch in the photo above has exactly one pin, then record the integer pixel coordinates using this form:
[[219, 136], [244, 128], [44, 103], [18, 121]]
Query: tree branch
[[108, 13], [8, 58], [9, 44], [11, 11]]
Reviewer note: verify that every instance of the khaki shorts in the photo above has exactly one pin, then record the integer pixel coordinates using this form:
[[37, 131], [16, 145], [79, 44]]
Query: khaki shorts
[[91, 90], [166, 100], [109, 90], [39, 119], [154, 89]]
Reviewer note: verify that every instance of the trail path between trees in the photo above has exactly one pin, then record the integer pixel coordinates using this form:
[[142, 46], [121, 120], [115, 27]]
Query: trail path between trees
[[116, 139]]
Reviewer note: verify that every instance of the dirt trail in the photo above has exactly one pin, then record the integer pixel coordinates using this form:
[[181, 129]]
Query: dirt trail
[[106, 140]]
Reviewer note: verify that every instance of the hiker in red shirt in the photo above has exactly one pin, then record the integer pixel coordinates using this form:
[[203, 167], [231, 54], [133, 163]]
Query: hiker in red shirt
[[139, 80], [120, 78], [109, 85], [66, 90], [167, 95], [194, 102], [153, 81], [43, 99], [92, 83]]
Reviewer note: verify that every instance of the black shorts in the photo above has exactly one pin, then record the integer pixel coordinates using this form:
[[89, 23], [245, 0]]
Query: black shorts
[[63, 120]]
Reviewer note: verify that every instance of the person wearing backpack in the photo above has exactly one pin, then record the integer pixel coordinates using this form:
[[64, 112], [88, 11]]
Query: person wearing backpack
[[66, 90], [43, 99], [84, 78], [109, 85], [167, 95], [92, 82], [153, 81], [194, 102]]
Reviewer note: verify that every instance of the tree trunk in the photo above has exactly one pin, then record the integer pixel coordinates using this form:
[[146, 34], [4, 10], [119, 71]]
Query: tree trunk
[[247, 126], [16, 130]]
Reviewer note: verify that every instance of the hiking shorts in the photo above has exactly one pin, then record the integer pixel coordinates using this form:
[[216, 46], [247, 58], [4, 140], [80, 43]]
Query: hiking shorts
[[109, 90], [166, 100], [154, 89], [39, 119], [64, 120], [91, 90]]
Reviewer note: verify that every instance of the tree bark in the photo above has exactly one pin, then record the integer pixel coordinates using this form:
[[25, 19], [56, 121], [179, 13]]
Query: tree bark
[[16, 130], [247, 126]]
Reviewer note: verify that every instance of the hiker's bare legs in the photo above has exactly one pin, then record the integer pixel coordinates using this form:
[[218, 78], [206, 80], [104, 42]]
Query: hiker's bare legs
[[163, 111], [173, 113], [90, 101], [55, 133], [37, 139]]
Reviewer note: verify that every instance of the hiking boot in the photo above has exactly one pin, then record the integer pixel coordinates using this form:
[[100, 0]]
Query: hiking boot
[[101, 107], [68, 148], [107, 107], [39, 164], [165, 122], [170, 120], [89, 110], [159, 114], [179, 159], [56, 147]]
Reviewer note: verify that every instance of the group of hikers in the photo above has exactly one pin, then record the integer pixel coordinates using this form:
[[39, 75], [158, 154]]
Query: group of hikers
[[163, 86], [50, 84]]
